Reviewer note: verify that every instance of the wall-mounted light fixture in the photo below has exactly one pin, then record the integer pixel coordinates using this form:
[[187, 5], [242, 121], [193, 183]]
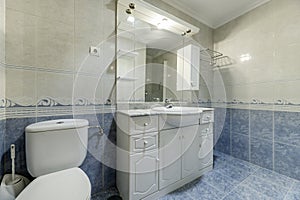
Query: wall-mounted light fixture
[[157, 17], [129, 11]]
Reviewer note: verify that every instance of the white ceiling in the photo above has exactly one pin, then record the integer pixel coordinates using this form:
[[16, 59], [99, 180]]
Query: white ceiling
[[215, 13]]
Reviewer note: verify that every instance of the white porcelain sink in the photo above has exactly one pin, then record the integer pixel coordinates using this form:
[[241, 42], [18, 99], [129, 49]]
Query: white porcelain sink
[[178, 110], [178, 116]]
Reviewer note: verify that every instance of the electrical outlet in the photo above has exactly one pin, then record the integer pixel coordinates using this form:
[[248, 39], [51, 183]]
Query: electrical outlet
[[94, 51]]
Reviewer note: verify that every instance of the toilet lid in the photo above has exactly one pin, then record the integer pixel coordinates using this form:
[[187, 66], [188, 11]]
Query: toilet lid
[[70, 184]]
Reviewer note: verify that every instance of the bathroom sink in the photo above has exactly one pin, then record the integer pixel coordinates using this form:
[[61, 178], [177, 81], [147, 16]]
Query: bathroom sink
[[178, 116], [178, 110]]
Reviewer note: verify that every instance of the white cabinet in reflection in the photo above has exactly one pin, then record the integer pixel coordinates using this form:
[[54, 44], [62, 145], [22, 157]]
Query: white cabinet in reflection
[[188, 66]]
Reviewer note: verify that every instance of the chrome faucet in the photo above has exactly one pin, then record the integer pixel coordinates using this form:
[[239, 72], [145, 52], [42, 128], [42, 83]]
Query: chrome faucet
[[168, 103]]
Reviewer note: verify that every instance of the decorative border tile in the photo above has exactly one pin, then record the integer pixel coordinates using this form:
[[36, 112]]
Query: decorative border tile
[[32, 111]]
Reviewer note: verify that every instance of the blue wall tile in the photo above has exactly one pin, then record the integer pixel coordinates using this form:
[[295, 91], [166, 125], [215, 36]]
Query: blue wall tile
[[47, 118], [287, 160], [93, 168], [262, 152], [240, 121], [109, 177], [261, 124], [287, 127], [2, 132], [240, 146], [15, 134], [222, 130]]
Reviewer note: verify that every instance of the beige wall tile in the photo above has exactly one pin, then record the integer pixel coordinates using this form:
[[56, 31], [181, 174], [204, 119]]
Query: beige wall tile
[[286, 64], [262, 92], [92, 28], [287, 91], [21, 86], [54, 10], [34, 41], [2, 82], [86, 87], [270, 36], [56, 86], [2, 32], [106, 89]]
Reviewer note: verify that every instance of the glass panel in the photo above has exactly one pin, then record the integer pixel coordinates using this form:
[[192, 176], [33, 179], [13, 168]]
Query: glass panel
[[154, 64]]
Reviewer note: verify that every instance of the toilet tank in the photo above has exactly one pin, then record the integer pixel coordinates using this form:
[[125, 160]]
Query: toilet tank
[[55, 145]]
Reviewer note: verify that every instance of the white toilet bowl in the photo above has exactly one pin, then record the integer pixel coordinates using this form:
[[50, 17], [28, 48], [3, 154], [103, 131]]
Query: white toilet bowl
[[70, 184]]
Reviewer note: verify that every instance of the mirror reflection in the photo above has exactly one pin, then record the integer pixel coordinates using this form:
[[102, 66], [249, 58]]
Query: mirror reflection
[[155, 62]]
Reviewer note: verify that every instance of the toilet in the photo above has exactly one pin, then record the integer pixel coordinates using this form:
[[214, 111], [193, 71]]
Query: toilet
[[54, 151]]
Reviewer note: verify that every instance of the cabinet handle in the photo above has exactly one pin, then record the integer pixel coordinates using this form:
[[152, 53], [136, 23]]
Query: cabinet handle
[[157, 159], [146, 124], [145, 142], [207, 130]]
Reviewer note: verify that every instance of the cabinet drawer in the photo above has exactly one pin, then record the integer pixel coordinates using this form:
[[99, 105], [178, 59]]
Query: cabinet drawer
[[206, 129], [207, 117], [145, 142], [143, 124]]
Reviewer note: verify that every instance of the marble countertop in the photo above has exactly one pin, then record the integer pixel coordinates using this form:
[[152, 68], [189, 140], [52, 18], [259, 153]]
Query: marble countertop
[[147, 112]]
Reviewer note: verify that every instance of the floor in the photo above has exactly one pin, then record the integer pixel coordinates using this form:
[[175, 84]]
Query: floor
[[234, 179], [106, 194]]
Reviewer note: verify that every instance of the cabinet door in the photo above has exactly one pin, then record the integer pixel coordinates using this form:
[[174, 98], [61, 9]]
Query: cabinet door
[[170, 157], [191, 142], [144, 175], [206, 151]]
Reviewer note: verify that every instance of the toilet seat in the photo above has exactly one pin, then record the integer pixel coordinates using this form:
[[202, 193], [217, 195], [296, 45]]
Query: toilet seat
[[70, 184]]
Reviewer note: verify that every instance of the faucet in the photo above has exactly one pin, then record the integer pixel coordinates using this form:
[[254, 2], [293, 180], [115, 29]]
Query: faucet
[[168, 103]]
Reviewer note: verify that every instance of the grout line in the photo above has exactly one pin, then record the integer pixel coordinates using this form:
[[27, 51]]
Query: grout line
[[290, 189], [274, 183], [255, 191], [242, 182]]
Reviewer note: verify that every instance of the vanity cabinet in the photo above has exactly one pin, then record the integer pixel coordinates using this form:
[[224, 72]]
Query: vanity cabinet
[[156, 156], [144, 174], [191, 145], [169, 157]]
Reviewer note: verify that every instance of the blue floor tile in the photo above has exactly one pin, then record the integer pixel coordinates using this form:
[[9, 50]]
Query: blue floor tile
[[205, 191], [296, 187], [177, 196], [274, 177], [220, 181], [235, 179], [245, 193], [266, 187], [236, 173], [292, 196], [105, 194]]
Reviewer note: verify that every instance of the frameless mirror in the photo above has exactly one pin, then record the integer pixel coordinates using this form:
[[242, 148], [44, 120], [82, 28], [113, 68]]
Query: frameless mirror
[[156, 58]]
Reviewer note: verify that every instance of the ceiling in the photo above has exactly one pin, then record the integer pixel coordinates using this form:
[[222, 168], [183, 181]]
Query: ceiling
[[215, 13]]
